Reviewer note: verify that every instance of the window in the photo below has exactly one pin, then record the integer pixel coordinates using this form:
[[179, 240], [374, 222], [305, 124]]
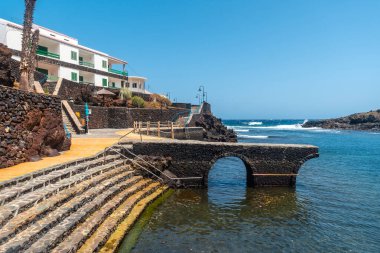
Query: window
[[122, 84], [74, 76], [43, 71], [113, 85], [42, 48], [74, 55], [104, 82], [134, 85], [104, 64], [127, 85]]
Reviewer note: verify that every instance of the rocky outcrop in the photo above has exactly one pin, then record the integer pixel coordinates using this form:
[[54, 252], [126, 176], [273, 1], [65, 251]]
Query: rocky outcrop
[[6, 76], [369, 121], [30, 127], [214, 129]]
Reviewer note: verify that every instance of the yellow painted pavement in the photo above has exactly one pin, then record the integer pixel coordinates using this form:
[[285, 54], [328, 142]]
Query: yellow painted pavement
[[81, 147]]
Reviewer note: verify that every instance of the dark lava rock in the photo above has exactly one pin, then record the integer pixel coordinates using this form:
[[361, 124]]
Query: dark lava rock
[[6, 77], [369, 121], [214, 129]]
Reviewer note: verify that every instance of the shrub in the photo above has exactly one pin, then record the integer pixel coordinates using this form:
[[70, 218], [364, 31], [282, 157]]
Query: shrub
[[160, 99], [138, 102], [125, 94]]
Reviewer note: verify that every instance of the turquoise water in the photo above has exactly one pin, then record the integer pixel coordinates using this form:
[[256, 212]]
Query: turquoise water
[[335, 206]]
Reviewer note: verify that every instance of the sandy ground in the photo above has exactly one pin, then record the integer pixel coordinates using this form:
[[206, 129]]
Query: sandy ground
[[81, 146]]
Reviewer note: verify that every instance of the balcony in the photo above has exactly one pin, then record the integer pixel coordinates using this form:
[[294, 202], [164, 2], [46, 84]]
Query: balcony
[[52, 78], [87, 64], [47, 53], [118, 72]]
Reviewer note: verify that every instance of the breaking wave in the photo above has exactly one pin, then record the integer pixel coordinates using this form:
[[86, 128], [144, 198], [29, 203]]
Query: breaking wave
[[255, 123], [243, 136]]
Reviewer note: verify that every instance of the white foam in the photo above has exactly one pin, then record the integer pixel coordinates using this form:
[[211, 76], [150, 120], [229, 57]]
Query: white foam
[[253, 136], [255, 123], [242, 130]]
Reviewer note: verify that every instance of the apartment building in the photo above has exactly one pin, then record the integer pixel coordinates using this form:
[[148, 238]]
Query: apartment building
[[61, 56]]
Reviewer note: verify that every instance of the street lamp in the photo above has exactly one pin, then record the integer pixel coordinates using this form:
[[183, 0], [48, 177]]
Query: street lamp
[[202, 89]]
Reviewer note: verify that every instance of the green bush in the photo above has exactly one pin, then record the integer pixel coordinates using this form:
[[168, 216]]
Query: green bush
[[125, 94], [138, 102]]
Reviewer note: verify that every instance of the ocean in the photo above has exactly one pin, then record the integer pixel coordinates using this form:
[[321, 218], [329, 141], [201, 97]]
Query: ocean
[[335, 206]]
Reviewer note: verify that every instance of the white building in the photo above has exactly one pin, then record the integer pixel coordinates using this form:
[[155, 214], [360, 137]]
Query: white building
[[61, 56]]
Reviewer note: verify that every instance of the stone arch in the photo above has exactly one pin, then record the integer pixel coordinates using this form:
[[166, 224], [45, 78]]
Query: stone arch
[[246, 161]]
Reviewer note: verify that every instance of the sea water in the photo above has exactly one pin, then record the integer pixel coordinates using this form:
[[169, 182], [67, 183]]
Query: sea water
[[335, 206]]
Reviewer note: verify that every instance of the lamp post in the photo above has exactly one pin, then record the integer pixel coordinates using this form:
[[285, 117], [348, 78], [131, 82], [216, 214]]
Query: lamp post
[[202, 89]]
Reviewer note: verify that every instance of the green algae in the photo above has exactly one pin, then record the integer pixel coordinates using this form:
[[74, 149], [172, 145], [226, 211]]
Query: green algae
[[132, 236]]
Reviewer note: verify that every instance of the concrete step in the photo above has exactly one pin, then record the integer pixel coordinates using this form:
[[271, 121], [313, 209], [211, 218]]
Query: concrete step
[[21, 221], [84, 222], [25, 201], [116, 234], [44, 234], [110, 215], [10, 193], [68, 123], [30, 176]]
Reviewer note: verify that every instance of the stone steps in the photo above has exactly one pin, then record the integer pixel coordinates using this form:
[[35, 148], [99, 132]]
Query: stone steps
[[48, 231], [10, 193], [68, 124], [109, 217], [21, 221], [73, 206], [118, 234], [70, 185]]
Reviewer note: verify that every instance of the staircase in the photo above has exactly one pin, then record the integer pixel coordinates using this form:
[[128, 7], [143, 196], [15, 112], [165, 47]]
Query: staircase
[[74, 206], [70, 121], [66, 121]]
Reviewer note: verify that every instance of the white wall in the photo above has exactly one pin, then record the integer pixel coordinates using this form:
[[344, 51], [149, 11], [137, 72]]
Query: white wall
[[65, 53], [14, 38], [3, 34], [98, 62], [138, 81], [66, 73], [99, 80]]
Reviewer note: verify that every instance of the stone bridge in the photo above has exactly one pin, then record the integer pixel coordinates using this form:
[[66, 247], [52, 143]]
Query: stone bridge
[[266, 164]]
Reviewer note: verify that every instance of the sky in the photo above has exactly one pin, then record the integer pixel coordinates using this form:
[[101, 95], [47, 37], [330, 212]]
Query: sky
[[257, 59]]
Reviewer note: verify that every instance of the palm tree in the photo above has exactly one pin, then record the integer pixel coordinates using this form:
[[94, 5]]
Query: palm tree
[[29, 47]]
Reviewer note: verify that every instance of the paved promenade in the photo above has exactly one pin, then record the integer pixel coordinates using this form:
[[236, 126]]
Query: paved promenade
[[81, 146]]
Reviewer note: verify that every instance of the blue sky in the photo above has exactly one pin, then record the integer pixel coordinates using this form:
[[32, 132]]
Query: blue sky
[[257, 59]]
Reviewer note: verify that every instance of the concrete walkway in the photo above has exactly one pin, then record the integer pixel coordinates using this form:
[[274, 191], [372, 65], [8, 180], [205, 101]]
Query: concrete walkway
[[81, 146]]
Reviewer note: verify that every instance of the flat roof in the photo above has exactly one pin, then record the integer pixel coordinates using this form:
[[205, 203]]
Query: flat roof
[[12, 24]]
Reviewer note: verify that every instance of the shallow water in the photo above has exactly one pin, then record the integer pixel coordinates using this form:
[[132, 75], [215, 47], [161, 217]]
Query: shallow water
[[335, 206]]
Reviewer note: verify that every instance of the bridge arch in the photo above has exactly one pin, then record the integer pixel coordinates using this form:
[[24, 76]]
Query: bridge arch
[[246, 161]]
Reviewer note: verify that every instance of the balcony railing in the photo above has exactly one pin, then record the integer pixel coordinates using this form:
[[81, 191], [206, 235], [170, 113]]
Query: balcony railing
[[48, 54], [87, 64], [53, 78], [118, 72]]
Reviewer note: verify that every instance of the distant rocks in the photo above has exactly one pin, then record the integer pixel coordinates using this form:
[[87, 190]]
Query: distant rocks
[[369, 121], [214, 129]]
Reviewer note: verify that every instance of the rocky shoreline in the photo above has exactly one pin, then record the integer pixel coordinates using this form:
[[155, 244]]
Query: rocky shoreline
[[366, 121]]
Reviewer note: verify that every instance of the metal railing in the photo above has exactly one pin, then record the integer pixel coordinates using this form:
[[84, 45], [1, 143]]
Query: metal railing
[[47, 53], [52, 78], [118, 72], [87, 64], [174, 181]]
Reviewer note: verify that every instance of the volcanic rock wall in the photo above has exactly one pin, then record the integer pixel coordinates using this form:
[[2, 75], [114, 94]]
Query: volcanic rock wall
[[30, 126], [6, 77]]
